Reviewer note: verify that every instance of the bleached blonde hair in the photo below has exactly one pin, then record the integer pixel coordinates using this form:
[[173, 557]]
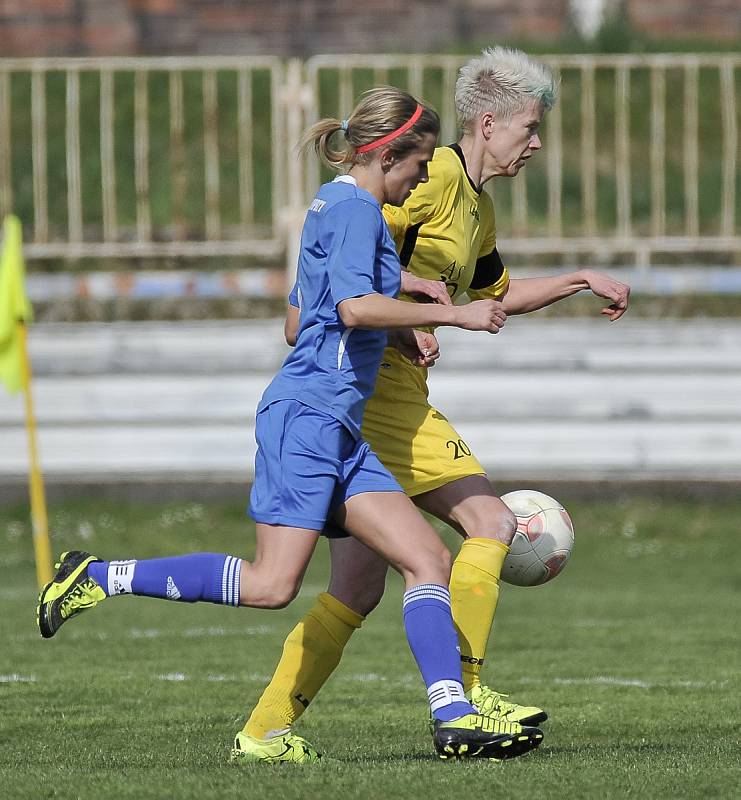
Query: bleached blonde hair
[[501, 80]]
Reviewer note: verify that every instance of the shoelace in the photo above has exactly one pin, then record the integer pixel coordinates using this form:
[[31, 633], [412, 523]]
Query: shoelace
[[81, 595], [490, 701]]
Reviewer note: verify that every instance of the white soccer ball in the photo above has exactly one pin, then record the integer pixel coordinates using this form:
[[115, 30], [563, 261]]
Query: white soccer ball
[[543, 541]]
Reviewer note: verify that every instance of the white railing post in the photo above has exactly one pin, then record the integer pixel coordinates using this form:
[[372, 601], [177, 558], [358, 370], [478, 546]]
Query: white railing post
[[730, 149], [141, 155], [107, 155], [39, 156], [296, 99], [211, 154], [72, 145], [6, 158]]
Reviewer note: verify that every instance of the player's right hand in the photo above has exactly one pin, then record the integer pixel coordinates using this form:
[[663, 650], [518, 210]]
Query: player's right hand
[[482, 315], [425, 290]]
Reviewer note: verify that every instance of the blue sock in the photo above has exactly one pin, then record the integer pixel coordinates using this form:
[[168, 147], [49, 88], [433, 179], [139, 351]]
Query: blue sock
[[212, 577], [434, 643]]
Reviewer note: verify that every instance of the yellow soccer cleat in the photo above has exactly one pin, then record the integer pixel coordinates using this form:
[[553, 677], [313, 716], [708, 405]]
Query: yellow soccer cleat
[[492, 704], [476, 736], [70, 592], [285, 748]]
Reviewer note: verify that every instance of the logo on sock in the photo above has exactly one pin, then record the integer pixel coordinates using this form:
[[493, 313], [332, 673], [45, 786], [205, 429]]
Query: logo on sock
[[472, 660], [173, 593], [120, 575]]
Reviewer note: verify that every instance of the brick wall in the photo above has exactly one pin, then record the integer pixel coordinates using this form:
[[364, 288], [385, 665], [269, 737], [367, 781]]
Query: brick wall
[[304, 27], [704, 19]]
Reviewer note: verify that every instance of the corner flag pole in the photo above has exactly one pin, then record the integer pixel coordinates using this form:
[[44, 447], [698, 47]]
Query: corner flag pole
[[15, 373], [41, 544]]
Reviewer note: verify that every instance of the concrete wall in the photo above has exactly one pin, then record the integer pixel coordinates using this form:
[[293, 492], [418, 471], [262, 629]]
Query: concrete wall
[[564, 399], [671, 19]]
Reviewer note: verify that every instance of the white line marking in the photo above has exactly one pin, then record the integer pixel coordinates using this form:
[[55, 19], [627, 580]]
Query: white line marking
[[155, 633], [182, 676], [610, 680], [599, 623], [408, 679], [196, 633]]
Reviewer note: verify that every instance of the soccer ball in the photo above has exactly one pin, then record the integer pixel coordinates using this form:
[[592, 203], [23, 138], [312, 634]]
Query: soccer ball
[[543, 541]]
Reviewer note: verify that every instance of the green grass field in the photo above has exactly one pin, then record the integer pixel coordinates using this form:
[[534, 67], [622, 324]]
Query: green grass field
[[634, 651]]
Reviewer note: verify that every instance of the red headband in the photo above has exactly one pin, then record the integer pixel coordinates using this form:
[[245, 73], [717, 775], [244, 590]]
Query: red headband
[[394, 134]]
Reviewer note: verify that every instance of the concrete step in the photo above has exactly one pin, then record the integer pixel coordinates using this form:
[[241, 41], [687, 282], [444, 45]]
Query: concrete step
[[484, 396], [508, 449], [526, 342], [581, 399]]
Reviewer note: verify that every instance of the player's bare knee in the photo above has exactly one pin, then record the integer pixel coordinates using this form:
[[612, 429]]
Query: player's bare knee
[[446, 559], [433, 566], [507, 526], [273, 594], [361, 597], [364, 599], [281, 595], [496, 522]]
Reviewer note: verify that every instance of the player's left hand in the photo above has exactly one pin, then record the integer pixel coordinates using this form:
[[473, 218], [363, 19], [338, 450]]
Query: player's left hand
[[604, 286], [428, 291], [420, 347]]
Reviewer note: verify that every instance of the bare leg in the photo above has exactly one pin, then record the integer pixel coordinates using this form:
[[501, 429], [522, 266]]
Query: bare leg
[[358, 575], [313, 649], [273, 579], [470, 506], [389, 524]]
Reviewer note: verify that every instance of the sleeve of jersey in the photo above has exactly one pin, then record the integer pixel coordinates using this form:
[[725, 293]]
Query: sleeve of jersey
[[352, 227], [490, 279]]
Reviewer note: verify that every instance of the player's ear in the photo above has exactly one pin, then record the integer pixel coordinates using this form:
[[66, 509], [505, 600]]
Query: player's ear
[[388, 159], [487, 124]]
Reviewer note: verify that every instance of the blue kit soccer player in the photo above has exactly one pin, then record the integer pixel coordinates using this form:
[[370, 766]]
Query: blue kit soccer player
[[312, 465]]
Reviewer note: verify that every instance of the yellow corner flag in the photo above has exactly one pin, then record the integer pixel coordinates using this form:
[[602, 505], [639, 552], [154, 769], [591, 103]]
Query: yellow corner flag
[[15, 373], [14, 305]]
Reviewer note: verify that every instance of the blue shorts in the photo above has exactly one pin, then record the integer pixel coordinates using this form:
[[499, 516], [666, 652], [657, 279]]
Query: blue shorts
[[307, 465]]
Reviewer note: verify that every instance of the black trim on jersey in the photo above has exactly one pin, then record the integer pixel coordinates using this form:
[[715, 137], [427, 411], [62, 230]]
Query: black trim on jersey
[[489, 269], [410, 242], [456, 148]]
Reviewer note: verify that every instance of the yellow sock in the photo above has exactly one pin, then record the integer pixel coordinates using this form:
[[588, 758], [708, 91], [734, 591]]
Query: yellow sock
[[474, 592], [310, 654]]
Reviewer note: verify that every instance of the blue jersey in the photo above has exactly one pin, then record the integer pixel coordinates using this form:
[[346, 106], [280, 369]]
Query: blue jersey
[[346, 251]]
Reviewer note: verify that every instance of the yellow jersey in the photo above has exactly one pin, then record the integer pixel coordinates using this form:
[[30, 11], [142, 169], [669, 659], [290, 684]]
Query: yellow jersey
[[444, 231], [445, 227]]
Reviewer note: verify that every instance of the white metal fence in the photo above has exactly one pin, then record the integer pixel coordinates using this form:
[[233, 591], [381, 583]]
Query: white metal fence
[[145, 156], [195, 156]]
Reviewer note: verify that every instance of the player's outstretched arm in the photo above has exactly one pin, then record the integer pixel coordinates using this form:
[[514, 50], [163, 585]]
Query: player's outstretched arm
[[531, 294], [377, 311]]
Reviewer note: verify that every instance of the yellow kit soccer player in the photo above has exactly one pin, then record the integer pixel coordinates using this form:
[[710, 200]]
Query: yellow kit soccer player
[[445, 232]]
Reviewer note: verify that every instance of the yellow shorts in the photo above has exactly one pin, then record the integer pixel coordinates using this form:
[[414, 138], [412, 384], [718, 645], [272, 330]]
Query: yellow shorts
[[413, 440]]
